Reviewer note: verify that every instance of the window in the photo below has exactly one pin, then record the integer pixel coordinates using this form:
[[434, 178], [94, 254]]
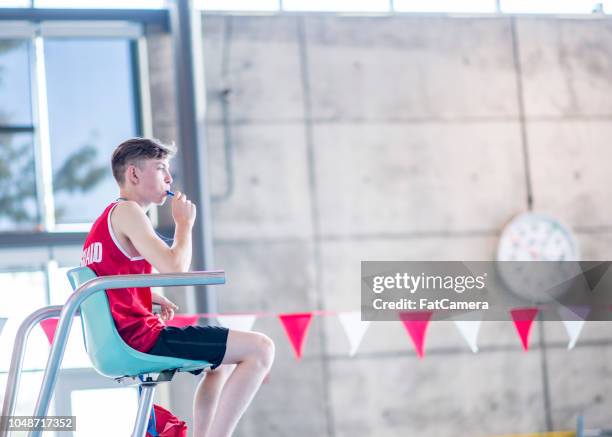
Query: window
[[473, 6], [119, 403], [23, 292], [434, 6], [65, 102], [15, 98], [102, 4], [29, 386], [18, 204], [91, 95], [337, 5], [238, 5], [32, 280], [26, 291], [14, 3], [75, 355], [550, 7]]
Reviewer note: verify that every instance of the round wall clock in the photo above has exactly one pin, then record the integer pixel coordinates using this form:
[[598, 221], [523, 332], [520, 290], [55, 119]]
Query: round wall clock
[[537, 237]]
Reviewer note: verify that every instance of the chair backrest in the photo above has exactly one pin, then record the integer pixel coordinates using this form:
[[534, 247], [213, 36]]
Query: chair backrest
[[99, 331]]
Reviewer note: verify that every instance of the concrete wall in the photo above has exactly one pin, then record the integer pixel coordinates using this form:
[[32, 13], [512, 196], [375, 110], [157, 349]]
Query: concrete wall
[[411, 138]]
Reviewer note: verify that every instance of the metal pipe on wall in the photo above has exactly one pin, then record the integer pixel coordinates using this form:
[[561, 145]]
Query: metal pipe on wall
[[186, 30]]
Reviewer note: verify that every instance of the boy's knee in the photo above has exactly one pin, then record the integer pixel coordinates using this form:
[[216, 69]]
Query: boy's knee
[[265, 350]]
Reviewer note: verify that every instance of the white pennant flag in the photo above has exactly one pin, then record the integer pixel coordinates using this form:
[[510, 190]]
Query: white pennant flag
[[469, 330], [354, 328], [238, 322], [573, 328], [573, 320]]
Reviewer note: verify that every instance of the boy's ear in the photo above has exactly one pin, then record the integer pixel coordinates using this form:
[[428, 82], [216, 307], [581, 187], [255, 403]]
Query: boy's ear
[[131, 174]]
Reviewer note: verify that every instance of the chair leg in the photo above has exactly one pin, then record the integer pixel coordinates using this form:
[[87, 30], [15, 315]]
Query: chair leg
[[144, 409]]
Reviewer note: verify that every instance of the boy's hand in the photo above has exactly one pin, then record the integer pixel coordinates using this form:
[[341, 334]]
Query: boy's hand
[[167, 308], [183, 210]]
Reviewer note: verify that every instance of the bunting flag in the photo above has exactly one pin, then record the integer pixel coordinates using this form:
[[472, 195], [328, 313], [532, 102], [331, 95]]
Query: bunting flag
[[573, 328], [469, 331], [523, 319], [237, 322], [296, 327], [354, 328], [573, 319], [49, 326], [416, 324], [182, 320], [2, 322]]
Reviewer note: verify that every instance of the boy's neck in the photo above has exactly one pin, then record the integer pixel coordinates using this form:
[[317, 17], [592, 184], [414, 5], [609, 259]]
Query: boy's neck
[[123, 196]]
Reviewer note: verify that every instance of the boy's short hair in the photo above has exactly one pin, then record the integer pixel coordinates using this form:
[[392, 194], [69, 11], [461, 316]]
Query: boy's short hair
[[134, 150]]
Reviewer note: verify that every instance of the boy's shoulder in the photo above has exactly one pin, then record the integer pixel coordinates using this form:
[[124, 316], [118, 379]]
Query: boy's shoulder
[[128, 213]]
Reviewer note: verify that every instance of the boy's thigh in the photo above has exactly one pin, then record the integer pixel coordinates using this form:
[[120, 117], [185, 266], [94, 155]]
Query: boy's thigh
[[243, 344], [195, 342]]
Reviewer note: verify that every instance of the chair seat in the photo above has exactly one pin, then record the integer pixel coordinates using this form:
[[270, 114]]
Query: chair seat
[[109, 354], [116, 362]]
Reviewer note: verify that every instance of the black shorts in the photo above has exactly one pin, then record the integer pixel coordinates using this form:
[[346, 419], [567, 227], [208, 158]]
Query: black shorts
[[207, 343]]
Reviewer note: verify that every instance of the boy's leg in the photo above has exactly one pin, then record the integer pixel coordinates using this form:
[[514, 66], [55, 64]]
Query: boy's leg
[[207, 396], [253, 354]]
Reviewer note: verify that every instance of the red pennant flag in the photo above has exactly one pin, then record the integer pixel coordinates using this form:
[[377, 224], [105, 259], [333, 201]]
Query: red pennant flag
[[296, 326], [49, 326], [416, 325], [181, 320], [523, 319]]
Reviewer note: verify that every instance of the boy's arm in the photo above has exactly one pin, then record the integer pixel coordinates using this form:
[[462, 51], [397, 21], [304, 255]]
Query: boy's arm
[[131, 221], [181, 246]]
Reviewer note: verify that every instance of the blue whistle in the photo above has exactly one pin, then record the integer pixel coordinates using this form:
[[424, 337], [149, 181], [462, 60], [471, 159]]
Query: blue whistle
[[170, 193]]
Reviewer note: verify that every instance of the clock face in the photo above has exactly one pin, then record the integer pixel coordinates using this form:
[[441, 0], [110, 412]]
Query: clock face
[[537, 237]]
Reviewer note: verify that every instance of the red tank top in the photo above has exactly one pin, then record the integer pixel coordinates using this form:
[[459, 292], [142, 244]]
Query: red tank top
[[131, 307]]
